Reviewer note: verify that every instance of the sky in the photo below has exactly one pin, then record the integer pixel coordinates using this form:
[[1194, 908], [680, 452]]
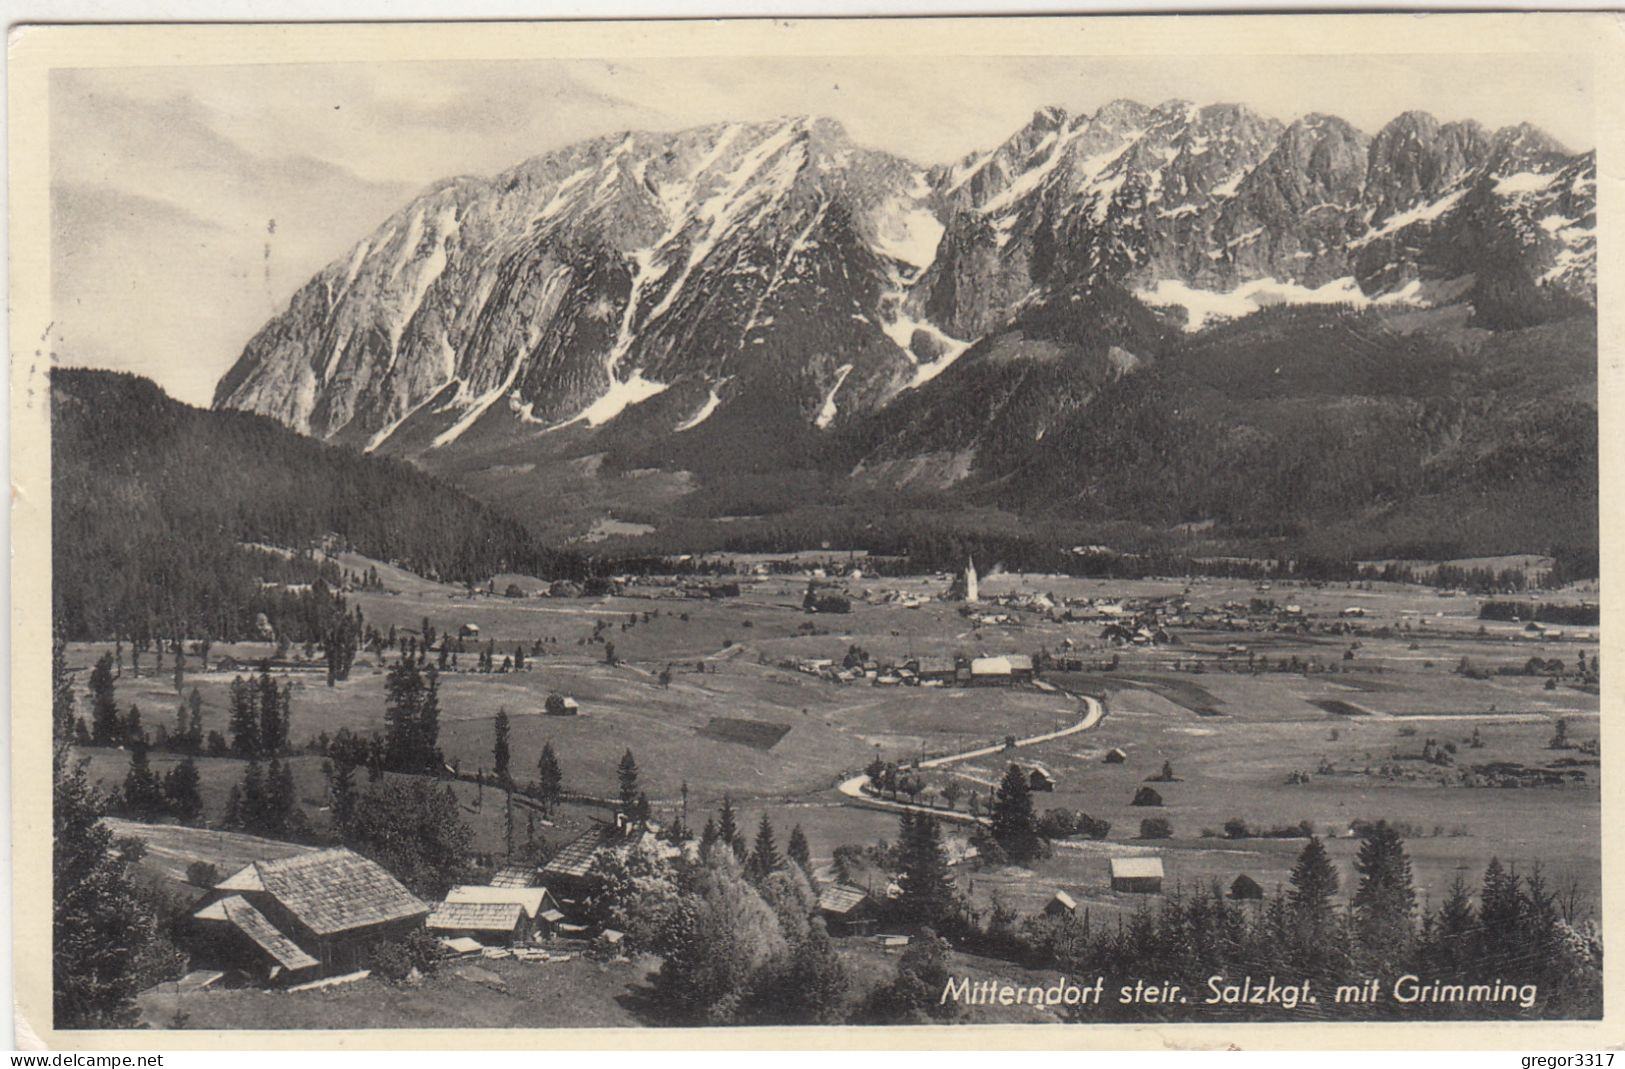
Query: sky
[[189, 203]]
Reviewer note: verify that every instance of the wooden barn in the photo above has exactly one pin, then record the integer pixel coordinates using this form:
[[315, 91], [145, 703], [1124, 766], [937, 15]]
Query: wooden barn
[[1021, 667], [1039, 779], [1137, 875], [303, 917], [990, 671], [846, 910], [1115, 756], [1246, 889]]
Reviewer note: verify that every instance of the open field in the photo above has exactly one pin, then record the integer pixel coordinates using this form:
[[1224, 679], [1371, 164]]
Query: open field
[[778, 740]]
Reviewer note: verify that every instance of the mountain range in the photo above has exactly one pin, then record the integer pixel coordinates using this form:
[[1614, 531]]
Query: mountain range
[[759, 317]]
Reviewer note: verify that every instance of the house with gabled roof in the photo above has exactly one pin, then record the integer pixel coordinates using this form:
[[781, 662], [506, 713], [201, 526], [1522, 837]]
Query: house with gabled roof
[[846, 910], [495, 914], [566, 871], [302, 917]]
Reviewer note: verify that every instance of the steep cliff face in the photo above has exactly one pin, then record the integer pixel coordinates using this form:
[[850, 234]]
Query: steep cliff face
[[684, 267], [767, 283]]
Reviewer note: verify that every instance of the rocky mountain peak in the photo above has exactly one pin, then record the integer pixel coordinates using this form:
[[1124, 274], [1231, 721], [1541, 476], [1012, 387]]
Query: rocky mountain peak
[[775, 273]]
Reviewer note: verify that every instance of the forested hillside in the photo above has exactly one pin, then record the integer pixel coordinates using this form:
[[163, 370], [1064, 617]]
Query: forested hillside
[[155, 503]]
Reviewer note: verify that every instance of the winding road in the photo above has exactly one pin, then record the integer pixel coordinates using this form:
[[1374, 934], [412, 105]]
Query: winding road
[[852, 788]]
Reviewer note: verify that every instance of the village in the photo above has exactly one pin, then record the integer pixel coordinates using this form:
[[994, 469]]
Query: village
[[1173, 734]]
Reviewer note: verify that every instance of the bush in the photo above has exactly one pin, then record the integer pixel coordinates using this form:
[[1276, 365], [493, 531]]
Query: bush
[[1156, 828], [1236, 828], [202, 874], [394, 961]]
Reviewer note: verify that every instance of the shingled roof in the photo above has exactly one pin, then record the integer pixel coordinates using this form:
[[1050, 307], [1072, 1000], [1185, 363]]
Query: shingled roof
[[329, 891], [532, 899], [575, 857], [476, 916], [840, 899], [236, 911], [515, 876]]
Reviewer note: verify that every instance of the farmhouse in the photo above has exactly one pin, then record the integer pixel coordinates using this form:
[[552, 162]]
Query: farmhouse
[[566, 871], [1137, 875], [302, 917], [846, 910], [503, 915], [1060, 905]]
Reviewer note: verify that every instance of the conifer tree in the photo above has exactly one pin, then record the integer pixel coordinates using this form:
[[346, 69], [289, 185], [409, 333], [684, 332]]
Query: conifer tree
[[728, 828], [709, 835], [929, 895], [1015, 826], [99, 928], [1385, 901], [244, 721], [798, 851], [272, 729], [106, 726], [194, 722], [183, 791], [143, 793], [764, 855], [499, 747], [627, 773], [549, 778]]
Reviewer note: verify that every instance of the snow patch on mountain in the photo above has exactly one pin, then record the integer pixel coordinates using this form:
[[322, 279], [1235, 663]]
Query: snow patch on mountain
[[908, 232], [618, 398], [1422, 213], [826, 414], [1201, 306], [1523, 182], [705, 410]]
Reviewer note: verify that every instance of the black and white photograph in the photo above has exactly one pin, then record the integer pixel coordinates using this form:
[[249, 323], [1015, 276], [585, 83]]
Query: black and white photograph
[[1094, 526]]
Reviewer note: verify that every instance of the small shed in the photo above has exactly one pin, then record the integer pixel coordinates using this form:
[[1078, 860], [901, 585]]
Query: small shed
[[1246, 889], [469, 631], [560, 705], [936, 668], [1115, 756], [1039, 780], [1062, 905], [1146, 796], [846, 910], [1021, 666], [1137, 875]]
